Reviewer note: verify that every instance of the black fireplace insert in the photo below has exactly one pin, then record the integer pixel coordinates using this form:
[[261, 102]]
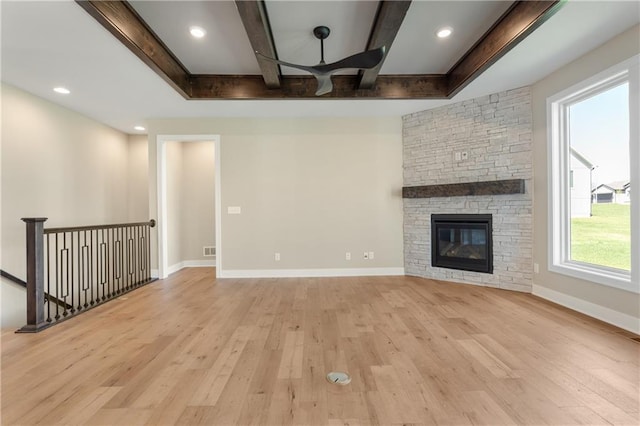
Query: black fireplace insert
[[462, 241]]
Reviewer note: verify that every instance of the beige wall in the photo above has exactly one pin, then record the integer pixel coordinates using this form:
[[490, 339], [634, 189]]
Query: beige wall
[[310, 189], [60, 165], [138, 179], [198, 199], [615, 51], [174, 202]]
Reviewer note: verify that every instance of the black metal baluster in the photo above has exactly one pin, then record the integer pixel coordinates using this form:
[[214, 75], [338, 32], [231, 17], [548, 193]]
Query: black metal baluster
[[59, 283], [80, 256], [143, 258], [57, 317], [129, 243], [68, 261], [73, 274], [114, 260], [103, 262], [109, 262], [138, 256], [148, 252], [91, 268], [80, 269], [123, 275], [48, 260]]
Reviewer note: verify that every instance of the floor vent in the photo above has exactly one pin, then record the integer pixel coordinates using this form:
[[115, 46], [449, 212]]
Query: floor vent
[[339, 378], [208, 251]]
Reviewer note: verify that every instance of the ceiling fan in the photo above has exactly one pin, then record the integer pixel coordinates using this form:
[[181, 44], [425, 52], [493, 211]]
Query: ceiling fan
[[323, 71]]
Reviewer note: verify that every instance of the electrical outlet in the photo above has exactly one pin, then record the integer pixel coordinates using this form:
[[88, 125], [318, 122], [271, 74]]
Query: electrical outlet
[[347, 256], [457, 156], [370, 255], [277, 257], [366, 255]]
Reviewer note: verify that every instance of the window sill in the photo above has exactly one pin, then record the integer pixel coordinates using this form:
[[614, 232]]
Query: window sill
[[600, 275]]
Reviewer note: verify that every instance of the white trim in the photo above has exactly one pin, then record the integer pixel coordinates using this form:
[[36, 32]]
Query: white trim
[[155, 273], [173, 268], [559, 257], [619, 319], [218, 201], [209, 263], [163, 269], [189, 264], [301, 273]]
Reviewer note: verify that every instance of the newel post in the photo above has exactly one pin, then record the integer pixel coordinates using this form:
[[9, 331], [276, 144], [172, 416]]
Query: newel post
[[35, 275]]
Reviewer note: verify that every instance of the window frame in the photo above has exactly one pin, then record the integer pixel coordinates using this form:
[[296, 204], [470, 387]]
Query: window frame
[[559, 227]]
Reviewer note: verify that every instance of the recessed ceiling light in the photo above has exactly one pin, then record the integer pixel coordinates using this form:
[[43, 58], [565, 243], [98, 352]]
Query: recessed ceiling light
[[444, 32], [61, 90], [140, 128], [197, 32]]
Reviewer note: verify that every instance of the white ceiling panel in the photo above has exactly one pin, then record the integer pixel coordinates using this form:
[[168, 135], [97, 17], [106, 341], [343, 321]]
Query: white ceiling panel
[[417, 50], [225, 49]]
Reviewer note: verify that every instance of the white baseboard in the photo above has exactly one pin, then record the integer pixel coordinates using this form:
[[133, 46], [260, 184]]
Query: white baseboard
[[300, 273], [190, 264], [602, 313], [199, 263], [155, 273]]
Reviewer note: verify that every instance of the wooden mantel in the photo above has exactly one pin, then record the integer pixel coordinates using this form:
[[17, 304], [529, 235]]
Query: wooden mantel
[[496, 187]]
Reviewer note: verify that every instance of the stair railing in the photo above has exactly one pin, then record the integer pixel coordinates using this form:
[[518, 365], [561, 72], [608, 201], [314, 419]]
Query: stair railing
[[82, 267]]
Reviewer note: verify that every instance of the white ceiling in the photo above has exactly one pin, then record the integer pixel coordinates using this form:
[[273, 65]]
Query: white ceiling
[[226, 48], [47, 44]]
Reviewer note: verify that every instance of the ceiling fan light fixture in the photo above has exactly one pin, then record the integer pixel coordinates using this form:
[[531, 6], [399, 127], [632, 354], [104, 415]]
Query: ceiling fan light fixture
[[444, 32], [197, 32]]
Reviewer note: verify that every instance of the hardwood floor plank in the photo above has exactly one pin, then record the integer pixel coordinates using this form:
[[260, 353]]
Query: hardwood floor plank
[[192, 349]]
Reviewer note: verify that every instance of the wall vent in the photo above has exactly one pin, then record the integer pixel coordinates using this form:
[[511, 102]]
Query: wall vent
[[208, 251]]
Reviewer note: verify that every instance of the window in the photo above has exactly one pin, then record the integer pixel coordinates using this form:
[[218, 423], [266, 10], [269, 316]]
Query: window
[[594, 220]]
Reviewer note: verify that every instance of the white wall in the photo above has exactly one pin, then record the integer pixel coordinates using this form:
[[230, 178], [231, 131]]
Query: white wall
[[61, 165], [579, 294], [310, 189]]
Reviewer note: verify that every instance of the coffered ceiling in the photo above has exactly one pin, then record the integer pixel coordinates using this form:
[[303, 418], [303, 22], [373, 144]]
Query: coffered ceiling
[[207, 68], [51, 43]]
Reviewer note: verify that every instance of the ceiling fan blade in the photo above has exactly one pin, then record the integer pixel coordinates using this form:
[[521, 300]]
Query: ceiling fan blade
[[287, 64], [363, 60], [324, 84]]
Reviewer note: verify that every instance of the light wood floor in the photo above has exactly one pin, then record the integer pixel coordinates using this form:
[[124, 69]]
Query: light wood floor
[[193, 350]]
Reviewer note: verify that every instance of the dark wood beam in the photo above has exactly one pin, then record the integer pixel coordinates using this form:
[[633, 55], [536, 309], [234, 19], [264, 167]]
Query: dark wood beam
[[514, 26], [119, 18], [256, 23], [383, 32], [304, 87]]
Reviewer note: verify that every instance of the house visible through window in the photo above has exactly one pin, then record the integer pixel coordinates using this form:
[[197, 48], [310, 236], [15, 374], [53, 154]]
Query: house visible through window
[[599, 130], [591, 141]]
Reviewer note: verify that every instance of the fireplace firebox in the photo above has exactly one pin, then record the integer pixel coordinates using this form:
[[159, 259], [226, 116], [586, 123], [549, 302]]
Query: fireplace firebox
[[462, 241]]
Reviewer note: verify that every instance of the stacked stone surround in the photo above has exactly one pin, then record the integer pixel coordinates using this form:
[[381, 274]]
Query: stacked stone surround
[[496, 132]]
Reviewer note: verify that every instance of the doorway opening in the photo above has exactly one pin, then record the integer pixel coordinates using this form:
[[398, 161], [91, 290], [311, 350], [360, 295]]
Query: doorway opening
[[167, 203]]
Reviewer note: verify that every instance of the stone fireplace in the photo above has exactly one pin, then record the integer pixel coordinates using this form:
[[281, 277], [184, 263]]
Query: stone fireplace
[[471, 158]]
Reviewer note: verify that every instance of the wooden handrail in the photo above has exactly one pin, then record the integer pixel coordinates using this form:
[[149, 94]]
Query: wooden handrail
[[151, 223]]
